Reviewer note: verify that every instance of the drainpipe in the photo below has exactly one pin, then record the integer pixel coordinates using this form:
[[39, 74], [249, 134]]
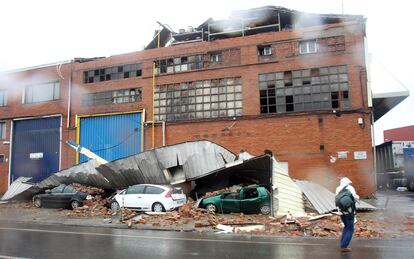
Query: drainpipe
[[69, 96], [163, 133]]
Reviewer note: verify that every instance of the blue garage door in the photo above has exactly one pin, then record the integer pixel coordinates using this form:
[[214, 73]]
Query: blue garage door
[[111, 136], [35, 148]]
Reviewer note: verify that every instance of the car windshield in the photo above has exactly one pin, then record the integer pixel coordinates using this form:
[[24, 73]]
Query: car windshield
[[69, 189], [58, 189]]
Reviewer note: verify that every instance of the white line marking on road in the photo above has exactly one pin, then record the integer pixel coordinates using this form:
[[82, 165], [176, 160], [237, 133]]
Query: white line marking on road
[[160, 237], [12, 257]]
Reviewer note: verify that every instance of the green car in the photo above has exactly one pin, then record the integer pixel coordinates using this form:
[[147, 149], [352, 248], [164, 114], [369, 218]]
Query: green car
[[249, 199]]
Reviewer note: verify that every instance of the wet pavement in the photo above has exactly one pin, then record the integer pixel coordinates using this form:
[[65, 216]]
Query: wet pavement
[[51, 241]]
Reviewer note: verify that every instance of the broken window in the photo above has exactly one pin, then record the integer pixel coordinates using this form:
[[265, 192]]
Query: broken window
[[179, 64], [264, 50], [306, 47], [3, 97], [200, 99], [112, 73], [108, 97], [2, 130], [42, 92], [304, 90]]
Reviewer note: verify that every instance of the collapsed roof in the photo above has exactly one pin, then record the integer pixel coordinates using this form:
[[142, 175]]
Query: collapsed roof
[[249, 22]]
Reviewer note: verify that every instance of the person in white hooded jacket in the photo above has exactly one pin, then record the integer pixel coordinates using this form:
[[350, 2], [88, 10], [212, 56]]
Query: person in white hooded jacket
[[347, 217]]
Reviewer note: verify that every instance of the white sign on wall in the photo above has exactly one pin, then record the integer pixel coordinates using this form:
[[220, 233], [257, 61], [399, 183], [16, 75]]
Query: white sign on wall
[[36, 156], [360, 155]]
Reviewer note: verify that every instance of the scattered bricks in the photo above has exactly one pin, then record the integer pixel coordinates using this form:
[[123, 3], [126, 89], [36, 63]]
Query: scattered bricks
[[141, 221], [185, 210], [87, 189]]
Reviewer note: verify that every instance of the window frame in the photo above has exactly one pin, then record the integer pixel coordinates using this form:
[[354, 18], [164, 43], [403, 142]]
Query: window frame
[[28, 92], [307, 44], [265, 50], [112, 97], [3, 129], [103, 74], [4, 97], [313, 89], [202, 99]]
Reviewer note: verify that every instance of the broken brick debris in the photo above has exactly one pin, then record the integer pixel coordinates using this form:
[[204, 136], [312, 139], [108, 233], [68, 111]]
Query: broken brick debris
[[87, 189]]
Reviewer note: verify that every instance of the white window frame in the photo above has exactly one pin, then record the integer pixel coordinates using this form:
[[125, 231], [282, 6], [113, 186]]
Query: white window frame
[[215, 57], [37, 87], [307, 44], [3, 128], [3, 101], [267, 51]]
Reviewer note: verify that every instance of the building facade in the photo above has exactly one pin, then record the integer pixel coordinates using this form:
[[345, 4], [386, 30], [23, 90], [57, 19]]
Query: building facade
[[292, 83]]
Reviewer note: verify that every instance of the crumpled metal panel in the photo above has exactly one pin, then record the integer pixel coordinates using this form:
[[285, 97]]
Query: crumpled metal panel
[[187, 161], [322, 199], [17, 187], [84, 173], [196, 158]]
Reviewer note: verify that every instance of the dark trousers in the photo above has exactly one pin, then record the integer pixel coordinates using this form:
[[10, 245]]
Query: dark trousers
[[348, 231]]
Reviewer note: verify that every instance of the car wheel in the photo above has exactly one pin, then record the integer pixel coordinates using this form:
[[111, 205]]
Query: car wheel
[[75, 204], [37, 202], [211, 208], [114, 206], [265, 210], [157, 207]]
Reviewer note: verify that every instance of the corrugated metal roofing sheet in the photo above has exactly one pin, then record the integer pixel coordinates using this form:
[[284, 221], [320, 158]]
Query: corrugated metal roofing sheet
[[84, 173], [287, 197], [17, 187], [158, 166], [322, 199]]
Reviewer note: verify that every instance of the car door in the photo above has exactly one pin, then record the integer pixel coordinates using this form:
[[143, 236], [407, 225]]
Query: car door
[[133, 197], [151, 195], [251, 200], [52, 198], [66, 197], [230, 202]]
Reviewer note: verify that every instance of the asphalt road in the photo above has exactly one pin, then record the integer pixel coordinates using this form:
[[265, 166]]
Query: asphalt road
[[57, 241]]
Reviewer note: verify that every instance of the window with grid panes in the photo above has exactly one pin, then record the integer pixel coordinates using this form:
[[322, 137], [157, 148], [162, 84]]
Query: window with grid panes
[[112, 73], [312, 89], [179, 64], [215, 98], [111, 97]]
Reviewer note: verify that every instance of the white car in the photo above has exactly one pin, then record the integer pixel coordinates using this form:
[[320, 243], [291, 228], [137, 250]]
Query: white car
[[149, 197]]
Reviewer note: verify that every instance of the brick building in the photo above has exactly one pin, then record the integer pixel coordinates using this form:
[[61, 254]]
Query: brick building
[[267, 78]]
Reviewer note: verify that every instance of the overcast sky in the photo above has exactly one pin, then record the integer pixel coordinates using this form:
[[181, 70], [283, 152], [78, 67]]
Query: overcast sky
[[47, 31]]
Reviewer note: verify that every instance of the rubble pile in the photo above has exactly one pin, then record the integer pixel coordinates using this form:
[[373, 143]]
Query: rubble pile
[[233, 188], [87, 189], [409, 225], [92, 208]]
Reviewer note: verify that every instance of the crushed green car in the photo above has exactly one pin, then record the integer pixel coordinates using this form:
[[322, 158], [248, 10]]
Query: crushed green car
[[249, 200]]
